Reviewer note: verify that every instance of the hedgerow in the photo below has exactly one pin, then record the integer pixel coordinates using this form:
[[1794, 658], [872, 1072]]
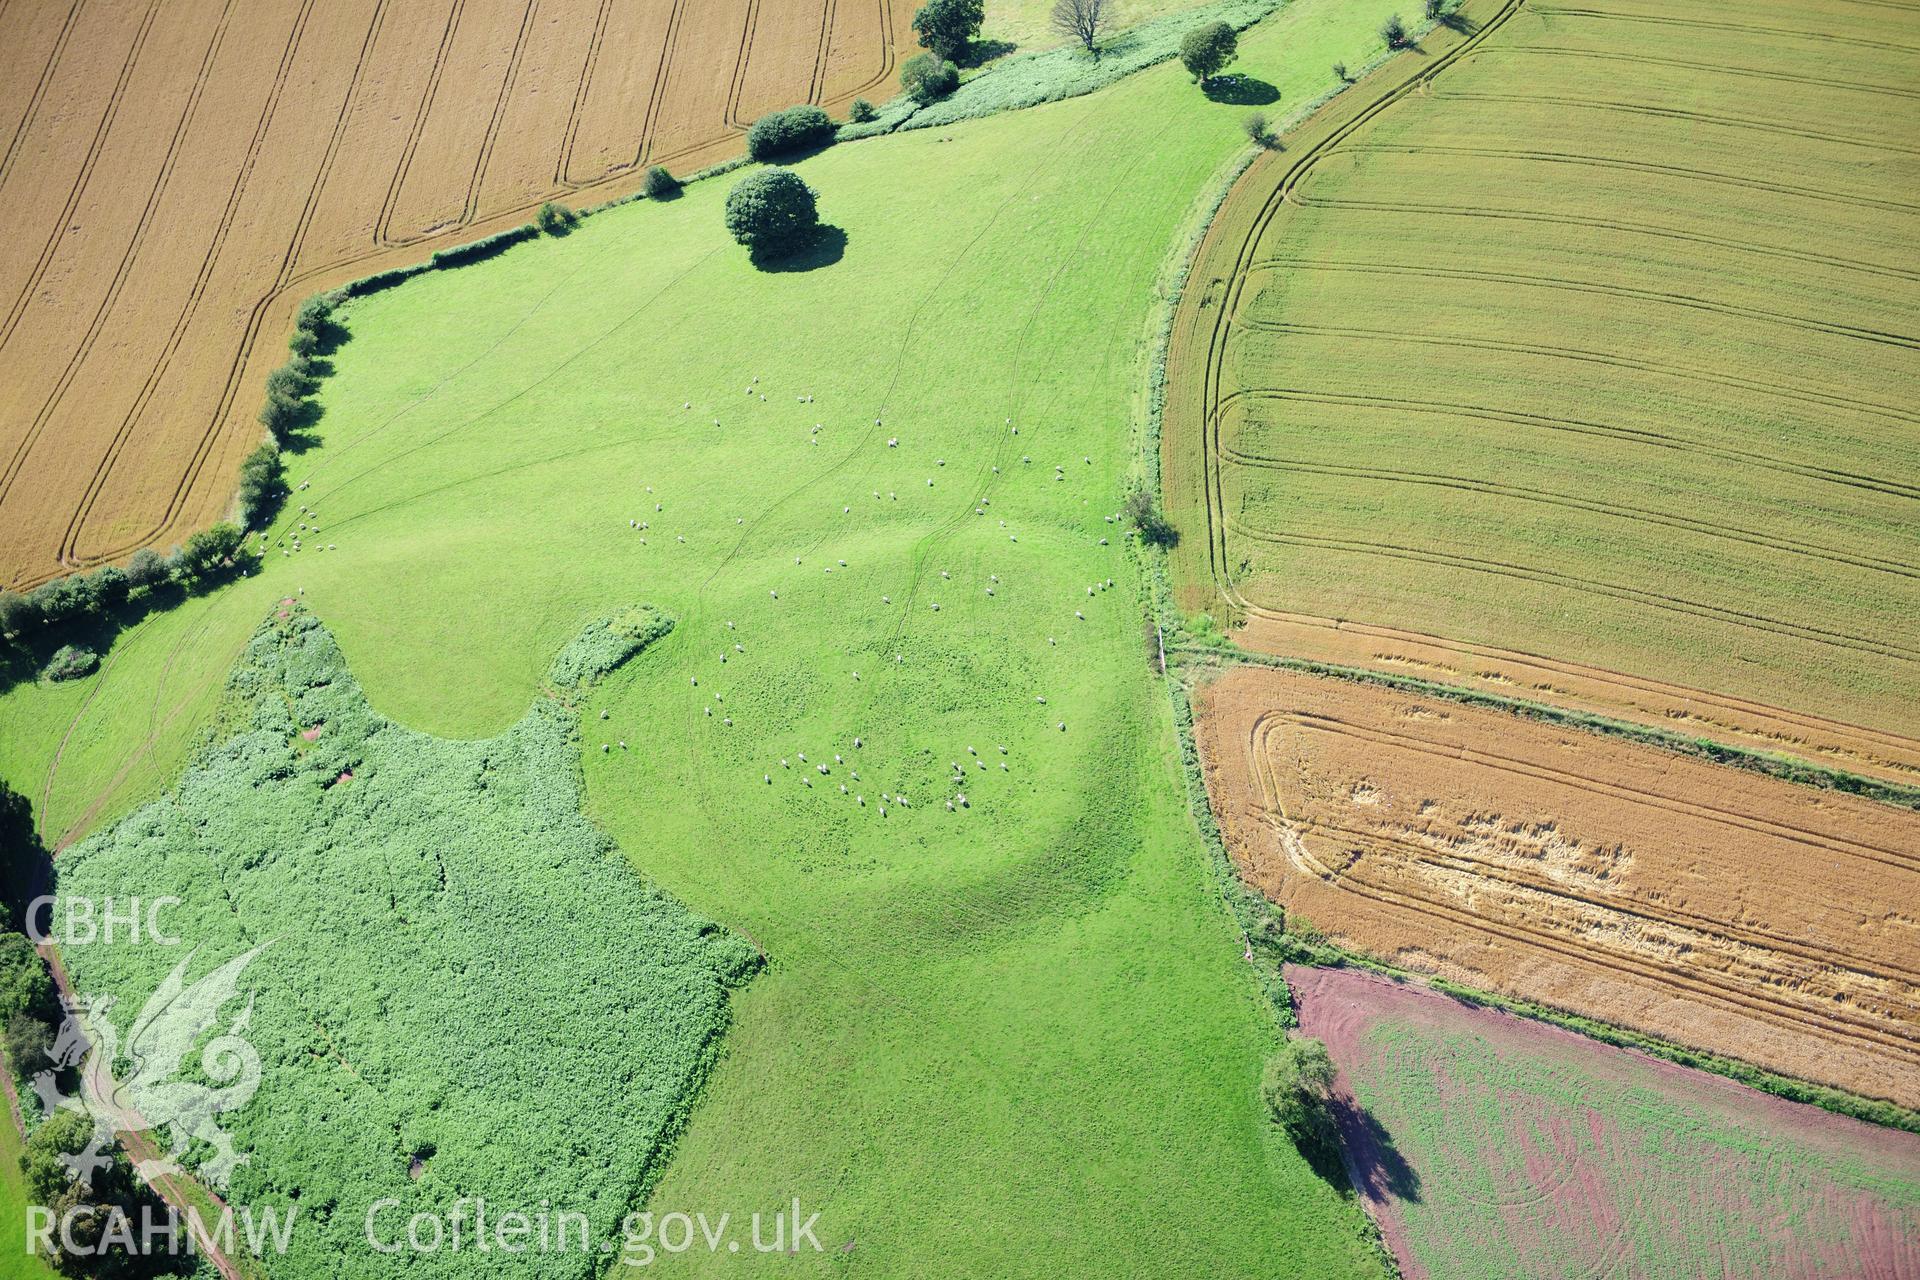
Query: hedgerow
[[781, 133], [459, 964]]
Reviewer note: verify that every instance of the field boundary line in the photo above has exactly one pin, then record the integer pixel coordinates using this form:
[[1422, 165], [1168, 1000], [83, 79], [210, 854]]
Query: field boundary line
[[1780, 765]]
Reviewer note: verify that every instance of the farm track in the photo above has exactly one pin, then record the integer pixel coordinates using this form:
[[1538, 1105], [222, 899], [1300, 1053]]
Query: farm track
[[86, 507]]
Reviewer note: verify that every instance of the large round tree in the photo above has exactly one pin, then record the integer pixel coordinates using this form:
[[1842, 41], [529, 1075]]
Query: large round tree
[[772, 213]]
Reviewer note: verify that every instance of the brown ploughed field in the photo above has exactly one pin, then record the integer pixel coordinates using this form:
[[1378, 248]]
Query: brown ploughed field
[[175, 177], [1713, 907]]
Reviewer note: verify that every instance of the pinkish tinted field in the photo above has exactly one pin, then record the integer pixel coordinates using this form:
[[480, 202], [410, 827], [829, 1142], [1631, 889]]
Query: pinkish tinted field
[[1490, 1145]]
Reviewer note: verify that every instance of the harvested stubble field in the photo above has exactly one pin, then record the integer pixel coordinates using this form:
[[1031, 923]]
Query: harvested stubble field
[[1491, 1146], [1580, 343], [176, 177], [1707, 906]]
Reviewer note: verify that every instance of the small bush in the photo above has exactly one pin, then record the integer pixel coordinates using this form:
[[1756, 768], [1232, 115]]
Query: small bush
[[146, 569], [1296, 1085], [556, 219], [61, 601], [281, 416], [111, 587], [928, 78], [292, 380], [314, 314], [1340, 72], [260, 485], [862, 111], [773, 213], [660, 184], [1256, 126], [17, 614], [782, 133], [1394, 32], [70, 662], [208, 553], [1208, 50], [948, 27], [461, 254], [1144, 514]]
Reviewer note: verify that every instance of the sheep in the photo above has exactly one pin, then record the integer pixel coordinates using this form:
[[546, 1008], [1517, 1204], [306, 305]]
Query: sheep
[[769, 778], [1038, 698], [603, 713], [1080, 615], [886, 599], [843, 564], [802, 755], [972, 752], [708, 710], [728, 722], [883, 811], [694, 679], [1063, 726], [856, 742], [945, 574], [729, 625], [856, 675], [623, 744], [961, 799], [893, 442], [936, 608], [739, 648], [774, 594], [837, 759], [1003, 766], [822, 768], [989, 590], [784, 765], [604, 747]]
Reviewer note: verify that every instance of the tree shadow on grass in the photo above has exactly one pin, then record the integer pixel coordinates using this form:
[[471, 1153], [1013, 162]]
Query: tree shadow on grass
[[981, 52], [828, 247], [1241, 91]]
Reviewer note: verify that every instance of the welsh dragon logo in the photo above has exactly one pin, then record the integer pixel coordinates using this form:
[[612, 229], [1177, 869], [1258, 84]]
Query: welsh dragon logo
[[151, 1095]]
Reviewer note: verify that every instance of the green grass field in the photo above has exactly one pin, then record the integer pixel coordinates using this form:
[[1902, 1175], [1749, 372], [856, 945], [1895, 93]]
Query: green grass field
[[1597, 345], [1012, 1038]]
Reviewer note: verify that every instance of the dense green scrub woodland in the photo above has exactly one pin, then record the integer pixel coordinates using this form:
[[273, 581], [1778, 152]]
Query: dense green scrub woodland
[[457, 967]]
